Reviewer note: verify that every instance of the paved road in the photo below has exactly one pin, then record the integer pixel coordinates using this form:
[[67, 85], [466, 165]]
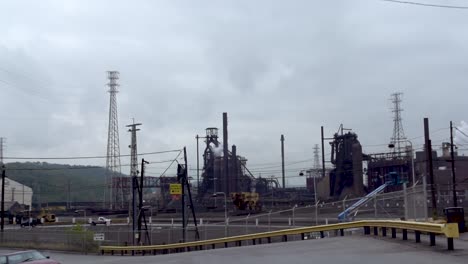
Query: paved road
[[349, 250]]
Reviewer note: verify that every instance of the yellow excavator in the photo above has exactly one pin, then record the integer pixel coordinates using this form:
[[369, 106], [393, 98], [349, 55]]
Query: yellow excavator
[[47, 215], [246, 201]]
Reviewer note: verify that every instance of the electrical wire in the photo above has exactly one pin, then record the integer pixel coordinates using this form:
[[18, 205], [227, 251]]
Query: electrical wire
[[461, 132], [426, 4], [88, 157]]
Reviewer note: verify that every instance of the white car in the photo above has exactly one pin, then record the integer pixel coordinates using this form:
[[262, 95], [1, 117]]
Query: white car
[[101, 220]]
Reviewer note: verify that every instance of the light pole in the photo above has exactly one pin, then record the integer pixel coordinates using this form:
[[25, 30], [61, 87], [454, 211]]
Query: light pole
[[225, 210]]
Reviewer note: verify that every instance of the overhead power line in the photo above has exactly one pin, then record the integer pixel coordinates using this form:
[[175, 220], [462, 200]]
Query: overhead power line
[[461, 132], [88, 157], [426, 4]]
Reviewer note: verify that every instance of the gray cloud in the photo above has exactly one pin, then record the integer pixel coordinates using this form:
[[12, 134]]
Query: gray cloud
[[276, 67]]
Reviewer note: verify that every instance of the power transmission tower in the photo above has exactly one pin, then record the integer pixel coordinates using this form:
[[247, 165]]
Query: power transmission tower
[[316, 168], [398, 132], [113, 169]]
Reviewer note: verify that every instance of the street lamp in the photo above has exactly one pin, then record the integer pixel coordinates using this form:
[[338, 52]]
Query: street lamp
[[225, 210]]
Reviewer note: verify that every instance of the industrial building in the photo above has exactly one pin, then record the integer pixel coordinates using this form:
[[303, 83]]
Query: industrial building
[[442, 168], [17, 192]]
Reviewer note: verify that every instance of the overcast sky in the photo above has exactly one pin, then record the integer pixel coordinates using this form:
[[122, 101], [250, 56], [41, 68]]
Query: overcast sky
[[276, 67]]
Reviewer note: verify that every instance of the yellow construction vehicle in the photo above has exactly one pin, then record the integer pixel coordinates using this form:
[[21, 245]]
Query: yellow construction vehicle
[[47, 216], [246, 201]]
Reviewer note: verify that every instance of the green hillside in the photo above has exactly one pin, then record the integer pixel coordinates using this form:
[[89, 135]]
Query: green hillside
[[50, 181]]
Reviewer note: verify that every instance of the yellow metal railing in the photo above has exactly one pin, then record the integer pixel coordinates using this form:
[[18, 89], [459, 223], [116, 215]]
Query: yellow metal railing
[[448, 230]]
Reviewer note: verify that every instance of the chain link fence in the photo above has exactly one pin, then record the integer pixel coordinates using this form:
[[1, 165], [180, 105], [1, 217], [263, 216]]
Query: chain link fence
[[412, 203]]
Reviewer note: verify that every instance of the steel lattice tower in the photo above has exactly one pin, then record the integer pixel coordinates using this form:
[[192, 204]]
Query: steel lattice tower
[[316, 161], [113, 169], [398, 132]]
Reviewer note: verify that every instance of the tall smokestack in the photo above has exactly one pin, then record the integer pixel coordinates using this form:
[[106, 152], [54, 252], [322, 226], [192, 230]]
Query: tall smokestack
[[235, 172], [225, 153]]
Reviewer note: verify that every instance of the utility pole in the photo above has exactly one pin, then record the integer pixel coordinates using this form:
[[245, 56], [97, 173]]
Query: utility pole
[[198, 165], [182, 177], [323, 153], [282, 161], [68, 194], [134, 174], [2, 213], [452, 156], [429, 166], [2, 144], [141, 212], [225, 154]]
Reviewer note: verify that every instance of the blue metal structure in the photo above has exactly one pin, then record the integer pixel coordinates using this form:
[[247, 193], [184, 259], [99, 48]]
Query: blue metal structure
[[344, 215]]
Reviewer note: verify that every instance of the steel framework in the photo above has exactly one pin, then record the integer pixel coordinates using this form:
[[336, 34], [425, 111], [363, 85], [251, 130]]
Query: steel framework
[[113, 168]]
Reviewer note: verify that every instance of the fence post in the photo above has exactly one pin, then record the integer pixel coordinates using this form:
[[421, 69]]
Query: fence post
[[405, 203], [316, 212], [247, 224], [375, 206], [425, 197], [269, 221], [226, 227], [293, 215]]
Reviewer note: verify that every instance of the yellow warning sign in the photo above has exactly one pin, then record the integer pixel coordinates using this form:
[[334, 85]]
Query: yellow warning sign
[[175, 188]]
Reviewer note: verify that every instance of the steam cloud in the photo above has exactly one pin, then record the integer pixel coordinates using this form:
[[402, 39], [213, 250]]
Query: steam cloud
[[217, 151]]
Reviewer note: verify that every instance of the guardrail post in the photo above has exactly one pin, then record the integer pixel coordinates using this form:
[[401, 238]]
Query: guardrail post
[[405, 234], [384, 231], [285, 238], [302, 236], [322, 235], [133, 252], [239, 243], [121, 252], [365, 230], [154, 251], [393, 232], [341, 232], [432, 239], [254, 242], [188, 249], [450, 243], [417, 235], [213, 246], [376, 231], [225, 244], [269, 240]]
